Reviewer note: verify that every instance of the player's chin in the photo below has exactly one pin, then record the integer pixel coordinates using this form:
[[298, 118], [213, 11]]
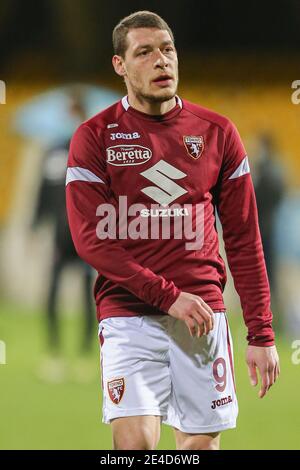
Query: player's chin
[[165, 94]]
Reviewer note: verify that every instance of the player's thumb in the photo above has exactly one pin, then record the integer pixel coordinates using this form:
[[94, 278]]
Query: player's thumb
[[252, 374]]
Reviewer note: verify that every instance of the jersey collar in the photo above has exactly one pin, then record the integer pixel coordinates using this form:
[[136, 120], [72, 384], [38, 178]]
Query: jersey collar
[[162, 117]]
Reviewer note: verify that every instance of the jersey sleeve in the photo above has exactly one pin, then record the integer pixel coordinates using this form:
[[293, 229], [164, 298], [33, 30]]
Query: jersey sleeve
[[87, 186], [236, 205]]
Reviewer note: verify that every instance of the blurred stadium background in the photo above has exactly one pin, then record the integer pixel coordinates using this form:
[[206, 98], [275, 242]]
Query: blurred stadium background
[[238, 59]]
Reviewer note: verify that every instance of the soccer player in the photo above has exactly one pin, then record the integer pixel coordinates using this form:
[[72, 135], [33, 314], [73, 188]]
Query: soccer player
[[145, 179]]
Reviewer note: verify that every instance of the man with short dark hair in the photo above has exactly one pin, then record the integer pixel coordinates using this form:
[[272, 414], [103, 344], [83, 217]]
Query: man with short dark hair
[[145, 179]]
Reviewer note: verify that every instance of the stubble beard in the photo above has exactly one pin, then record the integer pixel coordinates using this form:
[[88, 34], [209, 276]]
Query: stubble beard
[[153, 98], [161, 98]]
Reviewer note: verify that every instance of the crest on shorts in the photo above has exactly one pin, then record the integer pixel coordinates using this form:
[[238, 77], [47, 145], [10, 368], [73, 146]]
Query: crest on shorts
[[116, 388], [194, 145]]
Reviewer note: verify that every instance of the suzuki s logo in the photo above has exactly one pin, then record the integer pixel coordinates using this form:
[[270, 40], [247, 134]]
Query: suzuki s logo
[[166, 190], [128, 155]]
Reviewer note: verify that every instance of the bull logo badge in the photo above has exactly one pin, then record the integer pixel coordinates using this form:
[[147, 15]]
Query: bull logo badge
[[194, 145], [116, 390]]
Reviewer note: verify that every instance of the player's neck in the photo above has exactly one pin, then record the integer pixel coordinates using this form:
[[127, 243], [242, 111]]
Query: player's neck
[[151, 108]]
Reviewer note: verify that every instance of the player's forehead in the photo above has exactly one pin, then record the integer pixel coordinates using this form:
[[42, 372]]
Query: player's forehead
[[142, 37]]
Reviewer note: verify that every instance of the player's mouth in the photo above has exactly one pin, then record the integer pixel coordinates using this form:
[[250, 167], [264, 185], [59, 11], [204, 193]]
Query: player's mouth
[[163, 80]]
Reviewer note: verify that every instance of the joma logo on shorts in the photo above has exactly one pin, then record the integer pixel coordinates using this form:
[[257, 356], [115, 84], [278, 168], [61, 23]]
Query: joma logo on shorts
[[221, 402]]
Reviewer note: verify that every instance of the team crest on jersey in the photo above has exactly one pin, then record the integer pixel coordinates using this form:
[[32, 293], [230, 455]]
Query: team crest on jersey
[[194, 145], [116, 390]]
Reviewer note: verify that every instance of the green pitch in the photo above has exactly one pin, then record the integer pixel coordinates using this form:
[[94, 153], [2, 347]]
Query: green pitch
[[65, 413]]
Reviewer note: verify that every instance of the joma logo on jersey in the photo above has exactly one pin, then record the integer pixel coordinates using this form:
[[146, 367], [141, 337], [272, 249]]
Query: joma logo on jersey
[[166, 190], [128, 155], [120, 135], [221, 402]]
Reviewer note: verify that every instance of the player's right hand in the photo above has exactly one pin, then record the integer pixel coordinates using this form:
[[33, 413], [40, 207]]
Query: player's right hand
[[197, 315]]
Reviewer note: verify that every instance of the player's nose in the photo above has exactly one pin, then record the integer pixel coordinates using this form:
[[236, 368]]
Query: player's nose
[[160, 59]]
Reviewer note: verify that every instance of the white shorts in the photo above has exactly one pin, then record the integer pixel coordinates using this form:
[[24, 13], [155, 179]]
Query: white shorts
[[152, 366]]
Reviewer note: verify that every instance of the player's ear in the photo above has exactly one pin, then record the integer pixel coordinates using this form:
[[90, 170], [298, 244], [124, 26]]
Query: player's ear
[[119, 65]]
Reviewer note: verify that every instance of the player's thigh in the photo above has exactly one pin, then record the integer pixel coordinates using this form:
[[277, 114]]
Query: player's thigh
[[187, 441], [136, 432]]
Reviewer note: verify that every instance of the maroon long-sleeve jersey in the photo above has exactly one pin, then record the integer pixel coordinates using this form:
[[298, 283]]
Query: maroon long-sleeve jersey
[[142, 196]]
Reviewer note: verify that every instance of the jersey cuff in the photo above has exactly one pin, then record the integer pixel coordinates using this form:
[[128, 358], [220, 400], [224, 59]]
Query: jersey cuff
[[169, 300], [265, 339]]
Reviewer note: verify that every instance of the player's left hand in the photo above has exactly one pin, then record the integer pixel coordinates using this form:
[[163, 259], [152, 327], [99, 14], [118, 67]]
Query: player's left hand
[[266, 360]]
